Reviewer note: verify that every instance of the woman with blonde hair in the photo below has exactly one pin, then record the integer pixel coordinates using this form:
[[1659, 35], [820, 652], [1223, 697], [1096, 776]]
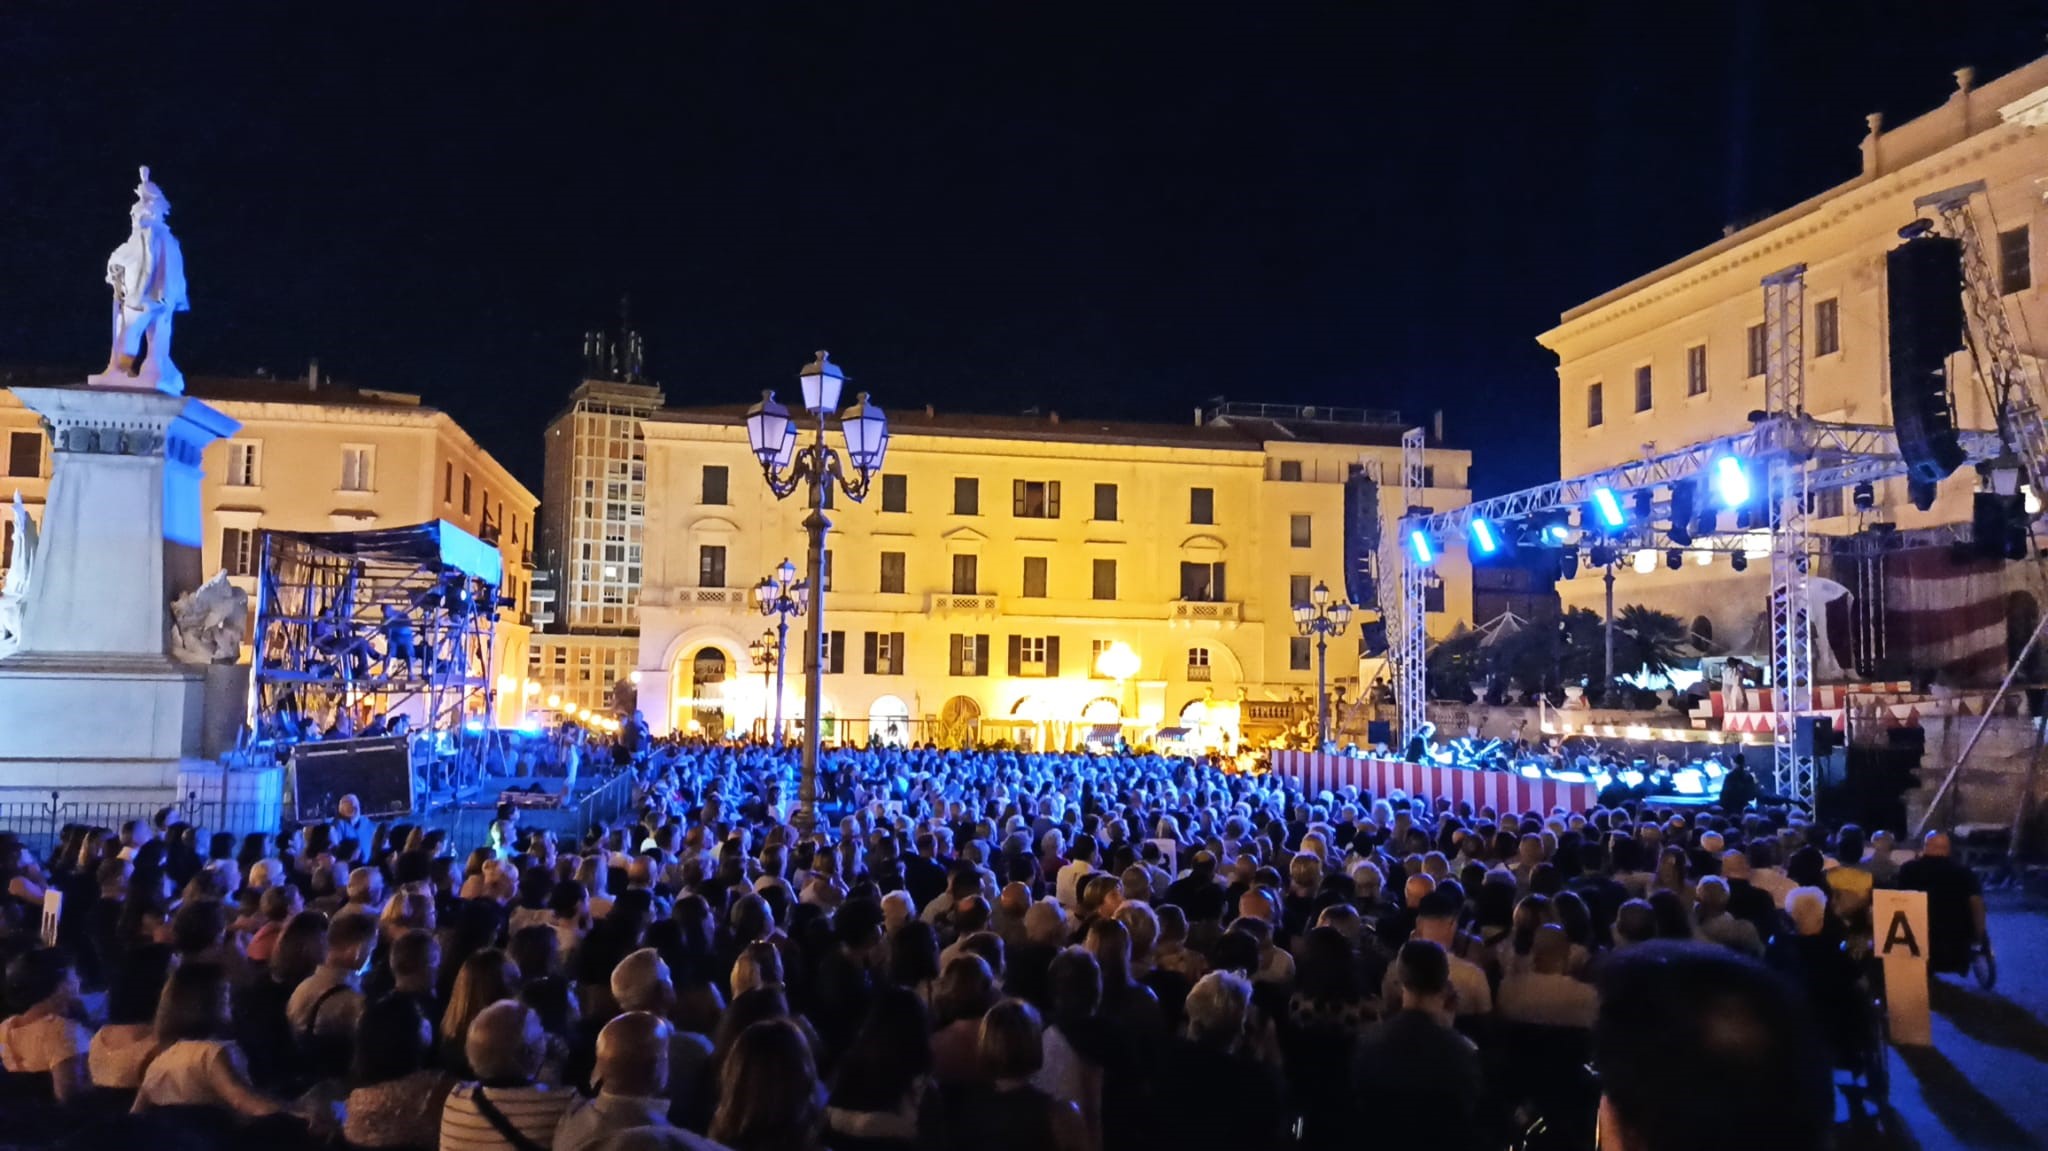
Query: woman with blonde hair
[[485, 978]]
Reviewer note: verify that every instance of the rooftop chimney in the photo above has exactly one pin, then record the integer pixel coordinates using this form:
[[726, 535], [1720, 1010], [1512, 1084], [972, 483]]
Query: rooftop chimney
[[1965, 78], [1055, 417], [930, 412], [1198, 415], [1436, 419], [1873, 162], [313, 374]]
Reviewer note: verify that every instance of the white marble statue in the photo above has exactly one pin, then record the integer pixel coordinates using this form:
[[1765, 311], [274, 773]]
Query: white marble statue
[[148, 276], [14, 592], [207, 623]]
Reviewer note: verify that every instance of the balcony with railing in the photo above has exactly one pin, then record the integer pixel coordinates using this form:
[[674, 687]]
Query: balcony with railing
[[728, 598], [1206, 611], [960, 603], [1198, 673]]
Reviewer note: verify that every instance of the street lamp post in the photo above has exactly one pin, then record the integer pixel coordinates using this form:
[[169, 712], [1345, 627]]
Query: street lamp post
[[781, 595], [772, 434], [1322, 619]]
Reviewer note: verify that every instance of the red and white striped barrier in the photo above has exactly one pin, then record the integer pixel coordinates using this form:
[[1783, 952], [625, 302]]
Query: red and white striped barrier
[[1498, 790]]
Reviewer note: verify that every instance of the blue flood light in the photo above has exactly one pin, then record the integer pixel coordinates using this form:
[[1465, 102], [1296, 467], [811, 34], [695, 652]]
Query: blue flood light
[[1419, 543], [1483, 539], [1731, 482], [1608, 507]]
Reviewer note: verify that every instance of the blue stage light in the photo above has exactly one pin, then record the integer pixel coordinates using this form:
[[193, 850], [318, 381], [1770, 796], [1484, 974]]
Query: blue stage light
[[1731, 482], [1608, 507], [1483, 540], [1420, 544], [1555, 534]]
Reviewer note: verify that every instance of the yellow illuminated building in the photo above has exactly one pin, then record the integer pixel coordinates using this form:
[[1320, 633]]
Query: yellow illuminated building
[[1677, 356], [1025, 578], [313, 456]]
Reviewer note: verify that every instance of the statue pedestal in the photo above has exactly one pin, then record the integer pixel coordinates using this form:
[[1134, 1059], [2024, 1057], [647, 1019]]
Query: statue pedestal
[[92, 705]]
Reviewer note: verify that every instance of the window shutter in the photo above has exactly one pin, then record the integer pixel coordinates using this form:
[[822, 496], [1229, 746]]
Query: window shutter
[[1052, 500], [1016, 497], [895, 653], [1016, 655], [1052, 655], [981, 654], [835, 653], [869, 642], [954, 644], [1216, 584]]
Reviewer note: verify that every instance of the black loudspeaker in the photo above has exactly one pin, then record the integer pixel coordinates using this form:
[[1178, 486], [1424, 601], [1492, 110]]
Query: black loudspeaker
[[1372, 635], [1924, 284], [1813, 736], [1379, 731], [376, 771]]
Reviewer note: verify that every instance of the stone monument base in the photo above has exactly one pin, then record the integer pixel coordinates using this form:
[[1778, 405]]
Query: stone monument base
[[102, 728]]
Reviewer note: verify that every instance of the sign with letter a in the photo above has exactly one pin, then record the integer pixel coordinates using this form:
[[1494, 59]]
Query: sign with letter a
[[1898, 922]]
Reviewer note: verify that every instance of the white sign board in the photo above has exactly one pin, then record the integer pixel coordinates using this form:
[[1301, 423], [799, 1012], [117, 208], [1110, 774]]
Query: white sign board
[[1169, 856], [1898, 921], [53, 910]]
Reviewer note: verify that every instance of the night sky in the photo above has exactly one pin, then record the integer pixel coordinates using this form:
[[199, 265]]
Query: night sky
[[1108, 208]]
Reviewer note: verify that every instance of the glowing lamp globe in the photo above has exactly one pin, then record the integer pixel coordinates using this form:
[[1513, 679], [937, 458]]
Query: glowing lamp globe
[[822, 380], [770, 434], [867, 434], [1117, 661]]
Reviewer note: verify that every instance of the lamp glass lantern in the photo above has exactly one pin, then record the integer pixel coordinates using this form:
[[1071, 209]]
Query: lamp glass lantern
[[867, 434], [1321, 594], [785, 575], [770, 434], [1340, 615], [822, 380]]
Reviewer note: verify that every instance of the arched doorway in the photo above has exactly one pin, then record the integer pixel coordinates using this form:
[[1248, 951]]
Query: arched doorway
[[707, 689], [959, 722], [889, 722]]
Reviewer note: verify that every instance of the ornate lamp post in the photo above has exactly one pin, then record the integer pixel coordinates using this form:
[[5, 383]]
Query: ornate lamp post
[[772, 434], [1322, 619], [781, 595]]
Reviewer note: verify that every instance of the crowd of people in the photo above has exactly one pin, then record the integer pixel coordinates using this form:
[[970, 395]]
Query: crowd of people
[[975, 950]]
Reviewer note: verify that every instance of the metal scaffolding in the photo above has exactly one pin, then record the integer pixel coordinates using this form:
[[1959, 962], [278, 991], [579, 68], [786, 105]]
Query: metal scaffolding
[[1787, 489], [1405, 632]]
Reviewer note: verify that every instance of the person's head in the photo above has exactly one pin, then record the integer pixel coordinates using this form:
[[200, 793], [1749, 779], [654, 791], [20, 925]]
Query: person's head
[[914, 954], [415, 961], [632, 1055], [300, 949], [506, 1043], [391, 1040], [1142, 923], [768, 1091], [1217, 1006], [198, 925], [1808, 909], [1695, 1042], [44, 976], [1110, 943], [1710, 895], [351, 939], [1011, 1045], [641, 982], [138, 984], [1936, 845], [1075, 985], [1328, 967], [366, 887], [1046, 923], [194, 1004], [1634, 922], [349, 807], [967, 988], [484, 978], [1551, 953], [536, 950], [757, 965], [1424, 972]]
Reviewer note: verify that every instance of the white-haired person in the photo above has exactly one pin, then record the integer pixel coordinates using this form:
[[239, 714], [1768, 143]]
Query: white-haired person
[[505, 1108], [1812, 956], [1216, 1064]]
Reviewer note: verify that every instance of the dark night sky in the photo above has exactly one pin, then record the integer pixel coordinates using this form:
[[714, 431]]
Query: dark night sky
[[1111, 208]]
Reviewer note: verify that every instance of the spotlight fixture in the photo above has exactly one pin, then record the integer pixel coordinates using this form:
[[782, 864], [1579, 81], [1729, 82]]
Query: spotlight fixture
[[1731, 482], [1607, 508], [1674, 559], [1568, 563], [1645, 561], [1423, 548], [1600, 555], [1865, 496], [1484, 541], [1738, 561], [1681, 513]]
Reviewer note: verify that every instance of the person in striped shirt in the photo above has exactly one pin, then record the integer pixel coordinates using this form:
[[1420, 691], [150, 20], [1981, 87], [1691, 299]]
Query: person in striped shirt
[[505, 1109]]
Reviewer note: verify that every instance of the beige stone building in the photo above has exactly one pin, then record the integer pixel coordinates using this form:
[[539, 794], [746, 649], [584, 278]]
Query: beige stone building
[[996, 558], [313, 456], [1677, 355]]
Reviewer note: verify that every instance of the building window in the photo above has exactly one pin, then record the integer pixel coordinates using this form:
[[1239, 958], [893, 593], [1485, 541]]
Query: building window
[[825, 569], [711, 565], [1201, 505], [966, 575], [1198, 664], [1696, 370], [1201, 582], [1759, 346], [1034, 577], [968, 654], [1105, 502], [1035, 655], [2015, 262], [25, 453], [245, 464], [1827, 327], [465, 493], [1096, 648], [1298, 534], [835, 652], [895, 493], [1644, 390], [1035, 499], [892, 572], [1105, 579], [1825, 504], [714, 484], [1593, 413], [447, 483], [1298, 653], [882, 653], [966, 496], [1290, 471], [238, 551], [1297, 589], [356, 466]]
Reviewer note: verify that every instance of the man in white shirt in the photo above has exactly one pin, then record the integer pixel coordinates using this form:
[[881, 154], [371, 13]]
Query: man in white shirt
[[1067, 883], [632, 1075], [328, 1003], [1436, 920]]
